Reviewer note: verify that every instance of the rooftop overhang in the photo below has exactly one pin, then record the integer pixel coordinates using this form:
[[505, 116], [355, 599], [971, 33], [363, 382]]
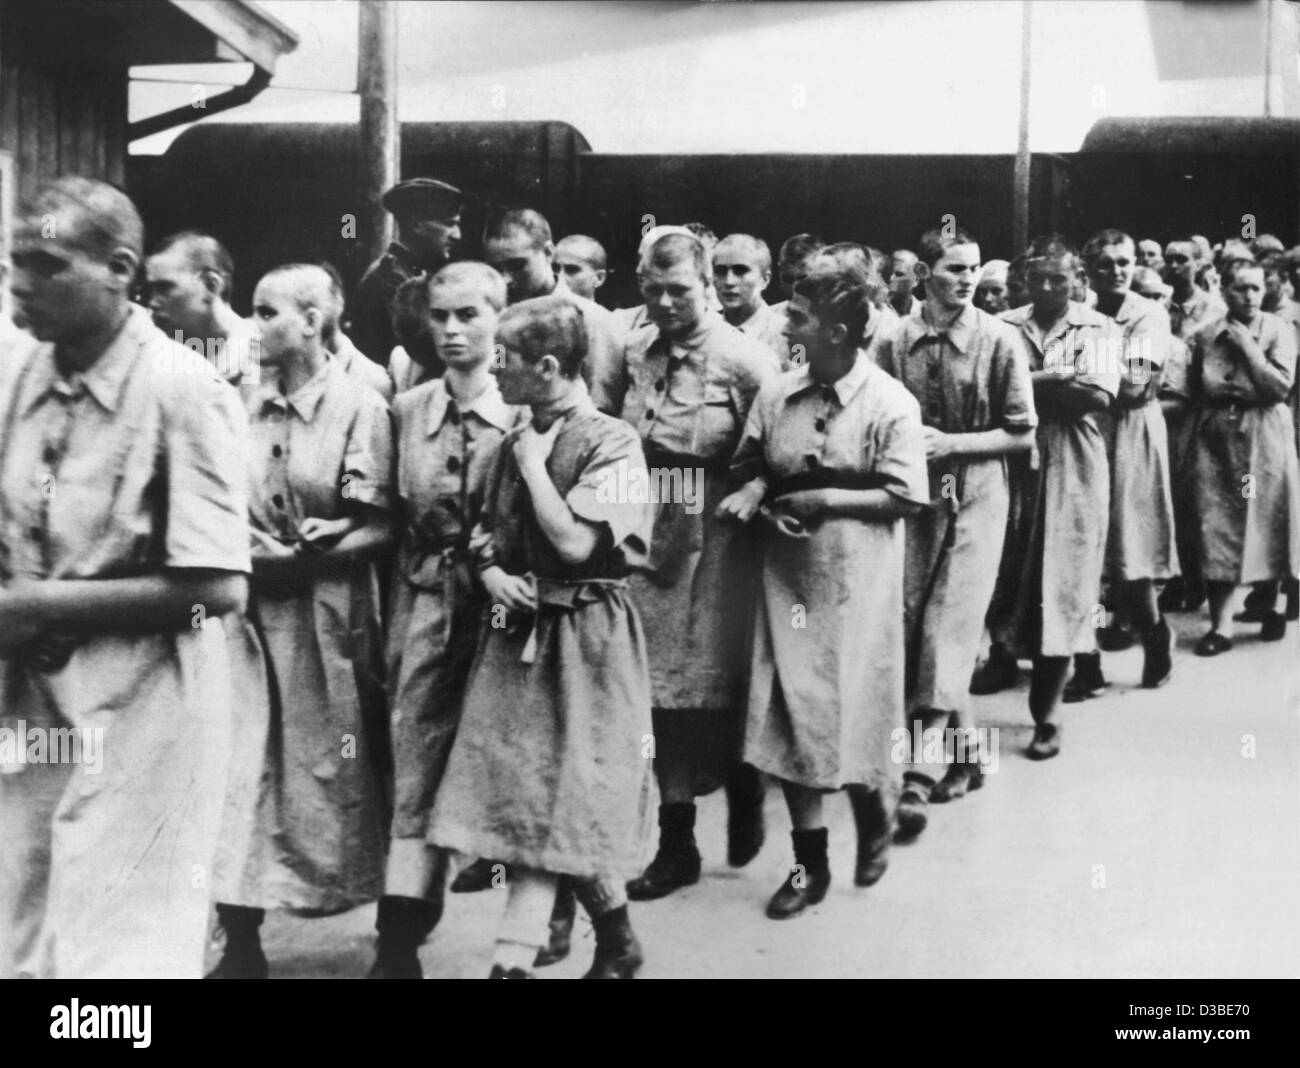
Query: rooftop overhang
[[205, 31]]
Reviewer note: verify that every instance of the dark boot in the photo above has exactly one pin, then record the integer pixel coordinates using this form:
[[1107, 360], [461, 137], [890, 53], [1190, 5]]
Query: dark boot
[[243, 957], [478, 876], [911, 814], [562, 915], [999, 672], [1291, 587], [1274, 627], [677, 863], [403, 924], [618, 953], [871, 816], [1087, 680], [1258, 605], [1157, 654], [809, 879], [745, 827]]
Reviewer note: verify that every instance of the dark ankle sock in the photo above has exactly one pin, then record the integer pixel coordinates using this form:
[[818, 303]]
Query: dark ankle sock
[[810, 850], [677, 824], [1046, 684]]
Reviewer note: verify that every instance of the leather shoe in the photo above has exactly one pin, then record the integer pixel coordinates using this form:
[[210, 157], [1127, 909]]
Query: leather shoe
[[1274, 628], [911, 815], [1046, 743], [670, 870], [1212, 643], [999, 672], [499, 972], [618, 953], [1087, 680], [790, 900]]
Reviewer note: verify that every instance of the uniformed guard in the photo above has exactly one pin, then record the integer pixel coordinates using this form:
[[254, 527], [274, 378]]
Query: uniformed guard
[[428, 231]]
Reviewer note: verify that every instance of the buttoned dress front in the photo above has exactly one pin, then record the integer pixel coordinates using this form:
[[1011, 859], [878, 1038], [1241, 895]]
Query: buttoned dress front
[[1069, 498], [1140, 542], [550, 768], [310, 661], [969, 377], [133, 467], [688, 401], [445, 451], [1243, 457], [826, 681]]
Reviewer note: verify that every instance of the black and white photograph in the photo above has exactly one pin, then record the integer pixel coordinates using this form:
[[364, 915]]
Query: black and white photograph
[[650, 489]]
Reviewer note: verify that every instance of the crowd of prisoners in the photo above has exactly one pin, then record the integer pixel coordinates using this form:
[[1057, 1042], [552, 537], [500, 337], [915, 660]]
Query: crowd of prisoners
[[357, 590]]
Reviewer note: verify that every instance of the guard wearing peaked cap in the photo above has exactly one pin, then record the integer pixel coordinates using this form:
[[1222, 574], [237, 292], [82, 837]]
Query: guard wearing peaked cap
[[428, 231]]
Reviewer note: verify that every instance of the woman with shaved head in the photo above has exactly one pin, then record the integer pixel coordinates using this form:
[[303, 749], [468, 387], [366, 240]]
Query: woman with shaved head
[[320, 503]]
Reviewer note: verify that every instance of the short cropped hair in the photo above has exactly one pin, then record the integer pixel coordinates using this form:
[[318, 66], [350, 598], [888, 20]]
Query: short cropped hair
[[839, 294], [1266, 243], [488, 278], [934, 244], [1093, 246], [546, 326], [1050, 247], [1229, 270], [202, 252], [1233, 250], [855, 258], [310, 286], [100, 216], [672, 249], [757, 247], [588, 248], [503, 221], [799, 247]]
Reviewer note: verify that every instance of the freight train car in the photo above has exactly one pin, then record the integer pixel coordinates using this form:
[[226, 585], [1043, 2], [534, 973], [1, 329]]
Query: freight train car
[[287, 191]]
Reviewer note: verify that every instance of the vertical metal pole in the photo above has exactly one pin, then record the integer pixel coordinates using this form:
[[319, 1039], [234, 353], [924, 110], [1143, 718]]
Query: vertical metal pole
[[380, 137], [1020, 192], [1268, 59]]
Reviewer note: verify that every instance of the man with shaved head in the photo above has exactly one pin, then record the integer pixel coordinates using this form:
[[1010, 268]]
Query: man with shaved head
[[582, 263], [517, 242], [742, 269], [123, 529], [902, 281], [1148, 254], [1190, 306], [188, 280]]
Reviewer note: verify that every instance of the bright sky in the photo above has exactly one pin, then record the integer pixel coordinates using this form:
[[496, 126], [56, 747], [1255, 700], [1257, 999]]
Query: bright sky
[[913, 76]]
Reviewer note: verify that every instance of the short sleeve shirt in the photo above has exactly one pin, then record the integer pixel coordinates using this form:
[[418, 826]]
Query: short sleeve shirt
[[968, 377], [1219, 370], [690, 397], [318, 452], [129, 468], [866, 424]]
